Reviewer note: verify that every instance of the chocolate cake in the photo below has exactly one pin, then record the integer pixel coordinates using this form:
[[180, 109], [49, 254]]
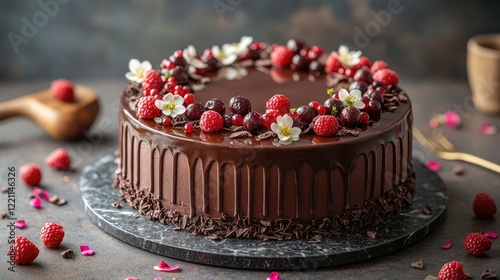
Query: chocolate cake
[[241, 179]]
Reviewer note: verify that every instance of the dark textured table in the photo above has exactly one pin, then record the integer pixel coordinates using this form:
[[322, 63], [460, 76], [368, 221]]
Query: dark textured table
[[21, 142]]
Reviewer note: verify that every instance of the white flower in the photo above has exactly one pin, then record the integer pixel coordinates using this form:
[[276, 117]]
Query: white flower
[[226, 57], [348, 58], [191, 58], [171, 105], [232, 73], [137, 70], [283, 127], [352, 99]]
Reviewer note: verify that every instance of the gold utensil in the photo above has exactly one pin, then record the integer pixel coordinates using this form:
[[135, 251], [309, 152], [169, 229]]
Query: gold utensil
[[436, 141]]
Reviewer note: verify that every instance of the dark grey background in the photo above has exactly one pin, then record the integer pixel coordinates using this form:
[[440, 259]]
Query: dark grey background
[[95, 39]]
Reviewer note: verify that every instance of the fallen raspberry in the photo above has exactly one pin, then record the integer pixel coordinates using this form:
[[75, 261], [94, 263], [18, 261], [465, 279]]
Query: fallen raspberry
[[484, 206], [58, 159], [52, 234], [31, 174], [62, 89], [476, 244]]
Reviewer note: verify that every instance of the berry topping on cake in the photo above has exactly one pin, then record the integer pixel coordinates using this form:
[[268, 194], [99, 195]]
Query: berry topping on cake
[[285, 130], [377, 65], [364, 62], [484, 206], [146, 108], [215, 104], [347, 57], [281, 56], [364, 118], [332, 64], [58, 159], [211, 121], [350, 116], [452, 271], [237, 119], [62, 89], [351, 99], [31, 174], [306, 113], [52, 235], [25, 251], [476, 244], [252, 122], [268, 119], [152, 80], [387, 77], [240, 105], [363, 75], [188, 128], [326, 126], [295, 45], [373, 108], [194, 111], [334, 106], [280, 103]]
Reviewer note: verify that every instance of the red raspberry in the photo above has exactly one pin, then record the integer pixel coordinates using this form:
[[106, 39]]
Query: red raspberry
[[281, 56], [476, 244], [211, 121], [326, 125], [146, 107], [62, 89], [152, 80], [364, 61], [484, 206], [58, 159], [387, 77], [24, 250], [31, 174], [332, 64], [452, 271], [279, 102], [52, 234], [377, 65]]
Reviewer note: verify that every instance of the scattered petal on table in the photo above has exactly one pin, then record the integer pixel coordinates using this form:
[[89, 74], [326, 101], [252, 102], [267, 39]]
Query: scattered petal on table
[[491, 234], [20, 224], [36, 202], [163, 266], [85, 250], [434, 122], [433, 165], [132, 278], [274, 276], [447, 245], [158, 278], [41, 193], [488, 129], [452, 119]]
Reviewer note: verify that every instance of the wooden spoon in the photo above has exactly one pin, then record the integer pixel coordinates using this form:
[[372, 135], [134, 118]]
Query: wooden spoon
[[61, 120]]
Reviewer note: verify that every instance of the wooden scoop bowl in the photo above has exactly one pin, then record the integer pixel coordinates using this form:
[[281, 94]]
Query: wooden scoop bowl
[[61, 120]]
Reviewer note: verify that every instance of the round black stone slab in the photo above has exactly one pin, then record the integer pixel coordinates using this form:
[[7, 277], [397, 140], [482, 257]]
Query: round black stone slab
[[405, 229]]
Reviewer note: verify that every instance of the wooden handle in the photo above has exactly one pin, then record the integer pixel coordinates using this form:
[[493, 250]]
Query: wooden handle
[[12, 108]]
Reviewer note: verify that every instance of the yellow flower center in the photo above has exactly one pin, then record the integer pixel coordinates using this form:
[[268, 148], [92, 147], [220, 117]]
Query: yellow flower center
[[285, 130], [171, 105], [140, 73], [350, 100]]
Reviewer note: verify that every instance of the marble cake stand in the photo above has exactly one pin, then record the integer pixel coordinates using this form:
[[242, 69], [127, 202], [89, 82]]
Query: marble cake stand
[[406, 228]]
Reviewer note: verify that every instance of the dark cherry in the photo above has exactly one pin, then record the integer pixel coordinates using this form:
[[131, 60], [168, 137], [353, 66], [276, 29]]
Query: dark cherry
[[217, 105], [180, 75], [350, 116], [374, 108], [240, 105], [299, 123], [227, 120], [299, 63], [211, 62], [363, 75], [380, 90], [307, 113], [376, 84], [194, 111], [332, 103], [237, 119], [295, 45], [252, 122], [316, 66], [361, 86], [250, 53], [374, 95]]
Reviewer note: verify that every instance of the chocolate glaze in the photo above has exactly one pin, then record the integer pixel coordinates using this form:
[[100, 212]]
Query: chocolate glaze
[[212, 175]]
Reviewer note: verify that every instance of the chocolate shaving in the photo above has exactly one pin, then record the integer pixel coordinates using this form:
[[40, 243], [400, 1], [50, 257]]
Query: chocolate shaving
[[467, 273], [247, 63], [30, 195], [348, 131], [371, 234], [418, 265], [116, 204], [266, 135], [458, 170], [61, 202], [3, 215], [68, 254], [240, 134], [488, 274], [54, 199], [262, 63], [4, 190], [428, 209], [133, 88]]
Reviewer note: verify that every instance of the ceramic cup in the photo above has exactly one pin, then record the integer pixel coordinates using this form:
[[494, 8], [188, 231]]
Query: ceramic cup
[[483, 70]]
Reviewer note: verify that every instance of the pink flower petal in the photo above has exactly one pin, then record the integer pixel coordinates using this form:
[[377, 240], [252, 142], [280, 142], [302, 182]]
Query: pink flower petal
[[163, 266], [158, 278], [491, 234], [274, 276], [36, 202], [132, 278], [41, 193], [434, 122], [452, 119], [433, 165], [488, 129], [447, 245], [85, 250], [20, 224]]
